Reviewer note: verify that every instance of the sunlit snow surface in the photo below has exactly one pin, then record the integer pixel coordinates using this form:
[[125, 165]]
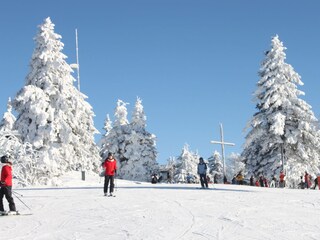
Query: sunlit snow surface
[[78, 210]]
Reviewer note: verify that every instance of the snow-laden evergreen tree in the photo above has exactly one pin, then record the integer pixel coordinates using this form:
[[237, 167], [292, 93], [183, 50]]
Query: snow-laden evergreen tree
[[9, 140], [107, 125], [170, 166], [53, 116], [186, 164], [134, 147], [8, 119], [139, 118], [21, 154], [216, 166], [116, 138], [284, 125]]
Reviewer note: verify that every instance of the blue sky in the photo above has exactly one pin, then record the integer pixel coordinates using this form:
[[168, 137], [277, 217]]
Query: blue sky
[[193, 63]]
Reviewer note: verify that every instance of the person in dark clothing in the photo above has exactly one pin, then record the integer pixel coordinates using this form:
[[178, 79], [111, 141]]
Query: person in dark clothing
[[202, 171], [215, 178], [225, 180], [6, 184], [315, 183], [251, 180], [261, 181], [154, 178], [110, 167]]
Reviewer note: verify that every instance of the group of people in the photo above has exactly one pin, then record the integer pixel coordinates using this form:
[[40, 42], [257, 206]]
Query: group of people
[[306, 181], [262, 181]]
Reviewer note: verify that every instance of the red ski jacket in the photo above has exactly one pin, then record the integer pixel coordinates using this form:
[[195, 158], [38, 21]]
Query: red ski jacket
[[110, 166], [6, 175]]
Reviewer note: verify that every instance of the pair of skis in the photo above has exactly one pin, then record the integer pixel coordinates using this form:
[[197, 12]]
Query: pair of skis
[[13, 213], [9, 213]]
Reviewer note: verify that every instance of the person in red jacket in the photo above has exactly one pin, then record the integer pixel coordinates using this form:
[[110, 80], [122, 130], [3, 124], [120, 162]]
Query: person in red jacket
[[110, 167], [282, 182], [6, 184]]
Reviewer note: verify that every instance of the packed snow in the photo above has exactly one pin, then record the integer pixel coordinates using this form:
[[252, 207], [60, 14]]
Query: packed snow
[[141, 210]]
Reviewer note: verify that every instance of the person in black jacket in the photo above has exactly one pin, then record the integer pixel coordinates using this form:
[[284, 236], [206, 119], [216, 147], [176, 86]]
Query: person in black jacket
[[202, 171]]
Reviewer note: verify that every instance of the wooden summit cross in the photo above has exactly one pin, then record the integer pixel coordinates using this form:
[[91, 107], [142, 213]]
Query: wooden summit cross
[[222, 143]]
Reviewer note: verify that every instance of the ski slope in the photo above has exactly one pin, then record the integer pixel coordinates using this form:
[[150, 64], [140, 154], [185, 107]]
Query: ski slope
[[79, 211]]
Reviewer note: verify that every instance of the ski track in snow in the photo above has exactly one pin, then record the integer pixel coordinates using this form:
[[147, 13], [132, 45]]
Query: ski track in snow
[[165, 211]]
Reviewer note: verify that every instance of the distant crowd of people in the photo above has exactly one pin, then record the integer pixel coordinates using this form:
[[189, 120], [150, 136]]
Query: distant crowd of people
[[306, 181]]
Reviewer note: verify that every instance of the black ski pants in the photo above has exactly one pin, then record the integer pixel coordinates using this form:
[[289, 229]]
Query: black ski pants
[[203, 180], [7, 192], [107, 180]]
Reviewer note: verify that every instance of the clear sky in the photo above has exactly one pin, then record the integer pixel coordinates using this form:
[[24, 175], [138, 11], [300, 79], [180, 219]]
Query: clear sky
[[194, 63]]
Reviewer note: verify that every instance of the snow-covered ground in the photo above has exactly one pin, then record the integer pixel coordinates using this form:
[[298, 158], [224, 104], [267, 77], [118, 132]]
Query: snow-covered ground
[[78, 210]]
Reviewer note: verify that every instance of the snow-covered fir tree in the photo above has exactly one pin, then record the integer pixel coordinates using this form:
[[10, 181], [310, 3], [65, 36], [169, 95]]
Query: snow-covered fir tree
[[116, 138], [138, 116], [186, 164], [170, 167], [8, 119], [9, 140], [107, 124], [53, 116], [216, 166], [25, 170], [132, 144], [284, 125]]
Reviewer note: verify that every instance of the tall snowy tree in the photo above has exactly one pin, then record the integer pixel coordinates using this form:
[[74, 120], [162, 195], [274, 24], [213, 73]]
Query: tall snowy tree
[[284, 127], [53, 116], [186, 164]]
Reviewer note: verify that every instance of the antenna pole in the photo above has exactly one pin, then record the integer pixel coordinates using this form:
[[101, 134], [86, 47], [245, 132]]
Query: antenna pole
[[78, 66]]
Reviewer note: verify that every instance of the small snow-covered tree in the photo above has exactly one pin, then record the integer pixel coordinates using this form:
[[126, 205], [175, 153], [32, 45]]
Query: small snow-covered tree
[[26, 168], [116, 139], [8, 119], [138, 117], [284, 126], [170, 166], [9, 140], [107, 125], [216, 166], [53, 115], [186, 164], [131, 143]]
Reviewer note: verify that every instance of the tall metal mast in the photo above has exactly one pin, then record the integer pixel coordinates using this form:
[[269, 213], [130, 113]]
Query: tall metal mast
[[78, 66]]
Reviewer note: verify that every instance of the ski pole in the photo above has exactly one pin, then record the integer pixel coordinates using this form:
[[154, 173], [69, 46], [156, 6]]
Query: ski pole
[[115, 182], [17, 193], [21, 200]]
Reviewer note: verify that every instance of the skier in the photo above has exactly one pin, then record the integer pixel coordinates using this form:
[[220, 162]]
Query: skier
[[307, 180], [273, 182], [240, 178], [110, 166], [282, 182], [251, 180], [202, 171], [6, 185], [301, 183], [261, 181], [215, 178], [154, 178]]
